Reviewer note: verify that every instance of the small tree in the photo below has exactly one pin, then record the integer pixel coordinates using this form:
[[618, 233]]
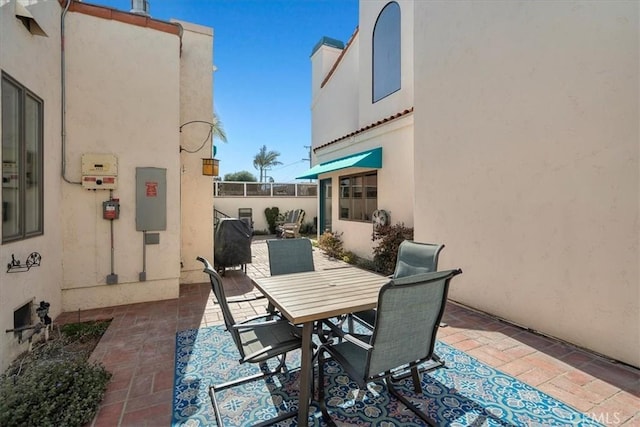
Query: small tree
[[331, 243], [389, 238], [272, 217], [244, 176]]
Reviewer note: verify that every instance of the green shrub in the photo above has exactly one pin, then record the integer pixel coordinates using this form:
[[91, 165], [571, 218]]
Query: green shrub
[[331, 243], [55, 385], [350, 258], [389, 238], [84, 330], [59, 393], [308, 228], [366, 264], [272, 215]]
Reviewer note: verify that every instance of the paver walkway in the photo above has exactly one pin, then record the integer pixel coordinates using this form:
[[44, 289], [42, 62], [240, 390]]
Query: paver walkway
[[138, 348]]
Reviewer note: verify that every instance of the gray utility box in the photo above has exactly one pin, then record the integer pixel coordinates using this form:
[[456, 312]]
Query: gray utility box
[[151, 199]]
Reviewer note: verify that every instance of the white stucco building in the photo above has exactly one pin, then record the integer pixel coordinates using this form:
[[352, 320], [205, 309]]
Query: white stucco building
[[510, 133], [93, 97]]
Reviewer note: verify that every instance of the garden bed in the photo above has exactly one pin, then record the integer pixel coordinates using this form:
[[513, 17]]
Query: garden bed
[[55, 384]]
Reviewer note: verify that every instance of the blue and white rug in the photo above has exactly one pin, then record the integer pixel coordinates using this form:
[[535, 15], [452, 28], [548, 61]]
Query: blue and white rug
[[466, 393]]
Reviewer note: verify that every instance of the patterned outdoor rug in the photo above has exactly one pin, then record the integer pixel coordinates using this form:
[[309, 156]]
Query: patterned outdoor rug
[[466, 393]]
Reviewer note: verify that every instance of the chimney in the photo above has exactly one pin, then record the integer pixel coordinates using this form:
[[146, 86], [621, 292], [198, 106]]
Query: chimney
[[140, 7]]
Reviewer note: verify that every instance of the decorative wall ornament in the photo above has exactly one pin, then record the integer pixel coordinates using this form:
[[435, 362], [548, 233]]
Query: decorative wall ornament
[[15, 266]]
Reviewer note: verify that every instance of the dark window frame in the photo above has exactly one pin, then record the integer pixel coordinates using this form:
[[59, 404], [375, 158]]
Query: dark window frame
[[27, 165], [391, 74], [364, 191]]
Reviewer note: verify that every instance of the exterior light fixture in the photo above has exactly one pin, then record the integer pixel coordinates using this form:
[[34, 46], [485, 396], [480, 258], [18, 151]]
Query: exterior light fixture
[[211, 167]]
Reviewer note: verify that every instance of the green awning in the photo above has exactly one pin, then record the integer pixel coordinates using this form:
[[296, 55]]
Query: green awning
[[365, 159]]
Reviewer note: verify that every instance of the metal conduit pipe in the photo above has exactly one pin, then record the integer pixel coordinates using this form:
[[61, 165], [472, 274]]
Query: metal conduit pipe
[[63, 97]]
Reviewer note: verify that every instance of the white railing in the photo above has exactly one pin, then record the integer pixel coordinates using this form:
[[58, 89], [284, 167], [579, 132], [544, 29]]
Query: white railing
[[264, 189]]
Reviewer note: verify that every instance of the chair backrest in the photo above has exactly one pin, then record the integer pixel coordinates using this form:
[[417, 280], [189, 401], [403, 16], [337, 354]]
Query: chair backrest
[[218, 292], [288, 217], [409, 312], [416, 258], [290, 256]]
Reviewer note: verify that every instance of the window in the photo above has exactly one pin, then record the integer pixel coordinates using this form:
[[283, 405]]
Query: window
[[358, 196], [22, 210], [386, 52]]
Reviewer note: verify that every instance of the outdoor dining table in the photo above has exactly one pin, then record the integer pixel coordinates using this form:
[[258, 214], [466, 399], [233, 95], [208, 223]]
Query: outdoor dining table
[[304, 298]]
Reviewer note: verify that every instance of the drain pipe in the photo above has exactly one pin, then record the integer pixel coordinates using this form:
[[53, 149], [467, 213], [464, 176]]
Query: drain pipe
[[63, 97]]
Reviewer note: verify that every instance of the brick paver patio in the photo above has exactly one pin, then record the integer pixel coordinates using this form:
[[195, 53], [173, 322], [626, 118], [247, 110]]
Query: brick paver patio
[[138, 348]]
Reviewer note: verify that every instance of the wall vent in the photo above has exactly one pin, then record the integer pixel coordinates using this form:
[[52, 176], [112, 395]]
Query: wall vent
[[22, 317]]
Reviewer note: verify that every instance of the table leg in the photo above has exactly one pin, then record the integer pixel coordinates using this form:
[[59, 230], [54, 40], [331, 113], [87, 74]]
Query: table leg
[[306, 375]]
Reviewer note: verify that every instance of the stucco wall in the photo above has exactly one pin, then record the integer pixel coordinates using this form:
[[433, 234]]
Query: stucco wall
[[347, 96], [196, 80], [334, 104], [230, 206], [526, 129], [395, 181], [123, 98], [34, 62]]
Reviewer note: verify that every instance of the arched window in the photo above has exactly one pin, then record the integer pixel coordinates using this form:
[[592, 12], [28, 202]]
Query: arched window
[[386, 52]]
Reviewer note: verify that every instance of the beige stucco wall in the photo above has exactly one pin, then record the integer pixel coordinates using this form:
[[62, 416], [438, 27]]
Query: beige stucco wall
[[336, 103], [123, 98], [527, 155], [344, 106], [129, 83], [196, 80], [34, 62], [395, 180], [230, 206]]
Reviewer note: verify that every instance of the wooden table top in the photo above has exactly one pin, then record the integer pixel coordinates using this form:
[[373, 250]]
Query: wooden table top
[[316, 295]]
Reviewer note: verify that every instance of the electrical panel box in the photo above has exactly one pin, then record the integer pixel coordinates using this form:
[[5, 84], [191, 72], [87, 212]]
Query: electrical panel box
[[99, 171], [151, 199]]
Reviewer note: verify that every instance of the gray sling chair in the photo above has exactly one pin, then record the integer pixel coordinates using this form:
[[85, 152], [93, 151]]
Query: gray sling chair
[[289, 256], [257, 342], [413, 258], [404, 336]]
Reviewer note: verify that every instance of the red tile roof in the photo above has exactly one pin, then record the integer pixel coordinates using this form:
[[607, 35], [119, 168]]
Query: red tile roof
[[126, 17], [335, 64], [368, 127]]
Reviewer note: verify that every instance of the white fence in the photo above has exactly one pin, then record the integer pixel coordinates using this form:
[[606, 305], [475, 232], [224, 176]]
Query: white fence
[[230, 196]]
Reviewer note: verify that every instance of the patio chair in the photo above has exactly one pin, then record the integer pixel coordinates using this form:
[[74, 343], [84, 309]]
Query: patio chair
[[409, 314], [291, 227], [289, 256], [257, 342], [289, 217], [413, 258]]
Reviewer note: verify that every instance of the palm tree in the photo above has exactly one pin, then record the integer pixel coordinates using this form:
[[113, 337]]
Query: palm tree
[[217, 131], [265, 160]]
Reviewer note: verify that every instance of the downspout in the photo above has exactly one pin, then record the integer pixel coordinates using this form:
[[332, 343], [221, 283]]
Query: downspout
[[63, 97]]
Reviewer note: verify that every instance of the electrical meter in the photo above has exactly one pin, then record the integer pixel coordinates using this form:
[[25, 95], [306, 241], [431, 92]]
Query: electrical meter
[[111, 209]]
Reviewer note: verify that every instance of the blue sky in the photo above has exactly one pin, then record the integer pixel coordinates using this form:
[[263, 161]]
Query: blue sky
[[262, 88]]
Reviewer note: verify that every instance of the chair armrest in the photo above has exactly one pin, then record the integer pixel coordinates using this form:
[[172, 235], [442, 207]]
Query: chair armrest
[[246, 325], [334, 330], [353, 340]]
